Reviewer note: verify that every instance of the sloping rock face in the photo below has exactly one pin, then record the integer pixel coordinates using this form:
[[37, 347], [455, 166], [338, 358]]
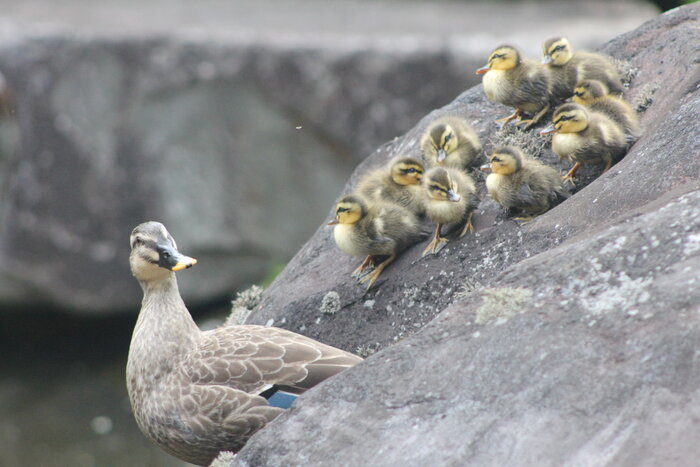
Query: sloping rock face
[[570, 340], [232, 123]]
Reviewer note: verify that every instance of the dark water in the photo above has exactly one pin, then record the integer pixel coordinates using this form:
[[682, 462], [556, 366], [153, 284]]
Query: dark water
[[63, 399]]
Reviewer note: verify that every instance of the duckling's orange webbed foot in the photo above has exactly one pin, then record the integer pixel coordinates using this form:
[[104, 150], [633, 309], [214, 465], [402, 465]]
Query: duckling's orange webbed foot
[[570, 174], [468, 227], [437, 243], [533, 121], [607, 167], [513, 116], [362, 268], [372, 277]]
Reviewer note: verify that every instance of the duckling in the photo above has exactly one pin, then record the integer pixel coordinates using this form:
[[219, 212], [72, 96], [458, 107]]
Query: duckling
[[593, 94], [399, 182], [450, 198], [373, 229], [585, 137], [522, 184], [195, 393], [569, 67], [450, 141], [516, 82]]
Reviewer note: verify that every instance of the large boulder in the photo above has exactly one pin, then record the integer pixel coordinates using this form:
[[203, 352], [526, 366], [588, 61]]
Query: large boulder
[[232, 123], [569, 340]]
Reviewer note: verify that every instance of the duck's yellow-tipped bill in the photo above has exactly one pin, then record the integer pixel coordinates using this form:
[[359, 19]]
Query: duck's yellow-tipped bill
[[184, 262]]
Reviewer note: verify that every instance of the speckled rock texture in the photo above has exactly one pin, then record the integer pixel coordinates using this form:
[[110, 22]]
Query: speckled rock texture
[[233, 123], [569, 340]]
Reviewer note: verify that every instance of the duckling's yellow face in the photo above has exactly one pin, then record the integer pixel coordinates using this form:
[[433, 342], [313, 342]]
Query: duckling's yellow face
[[556, 51], [571, 118], [504, 163], [440, 186], [407, 172], [443, 141], [503, 58], [588, 90], [154, 254], [349, 210]]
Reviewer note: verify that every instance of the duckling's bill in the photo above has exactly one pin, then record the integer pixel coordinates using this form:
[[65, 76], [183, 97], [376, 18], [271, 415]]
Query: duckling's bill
[[483, 70], [485, 168], [550, 129]]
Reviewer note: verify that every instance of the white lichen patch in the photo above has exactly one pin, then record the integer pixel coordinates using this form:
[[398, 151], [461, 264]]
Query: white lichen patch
[[614, 246], [330, 303], [614, 294], [224, 459], [468, 288], [692, 245], [244, 303], [365, 350], [501, 303]]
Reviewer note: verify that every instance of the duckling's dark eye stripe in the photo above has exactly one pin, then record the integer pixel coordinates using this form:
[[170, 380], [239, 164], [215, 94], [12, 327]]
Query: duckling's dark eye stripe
[[339, 210], [437, 188], [557, 49]]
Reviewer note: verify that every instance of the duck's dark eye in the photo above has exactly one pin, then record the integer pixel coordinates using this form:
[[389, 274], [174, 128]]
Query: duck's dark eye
[[495, 159], [557, 48], [165, 254], [137, 241]]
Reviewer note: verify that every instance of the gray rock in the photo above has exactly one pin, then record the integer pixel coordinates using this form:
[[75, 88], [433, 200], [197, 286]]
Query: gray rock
[[570, 340], [233, 123]]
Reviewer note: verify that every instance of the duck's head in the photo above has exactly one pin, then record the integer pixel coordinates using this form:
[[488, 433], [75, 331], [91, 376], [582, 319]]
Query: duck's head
[[442, 140], [440, 186], [154, 253], [349, 209], [568, 118], [588, 90], [505, 160], [556, 51], [504, 57], [406, 171]]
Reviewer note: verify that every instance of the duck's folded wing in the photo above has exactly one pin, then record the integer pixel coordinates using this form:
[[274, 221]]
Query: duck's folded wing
[[251, 358], [211, 407]]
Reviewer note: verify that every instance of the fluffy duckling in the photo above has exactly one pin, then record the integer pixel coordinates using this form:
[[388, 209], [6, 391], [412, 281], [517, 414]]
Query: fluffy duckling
[[195, 393], [585, 137], [450, 141], [450, 198], [516, 82], [522, 184], [399, 182], [593, 94], [569, 67], [376, 229]]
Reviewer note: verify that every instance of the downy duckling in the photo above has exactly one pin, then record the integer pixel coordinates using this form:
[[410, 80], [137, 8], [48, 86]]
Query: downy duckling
[[399, 182], [450, 141], [376, 229], [521, 184], [450, 198], [569, 67], [585, 137], [195, 393], [593, 94], [516, 82]]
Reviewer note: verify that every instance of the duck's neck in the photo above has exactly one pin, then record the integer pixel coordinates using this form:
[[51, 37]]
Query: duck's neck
[[164, 331]]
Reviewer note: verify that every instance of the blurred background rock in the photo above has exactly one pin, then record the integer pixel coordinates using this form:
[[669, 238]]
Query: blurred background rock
[[236, 124]]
